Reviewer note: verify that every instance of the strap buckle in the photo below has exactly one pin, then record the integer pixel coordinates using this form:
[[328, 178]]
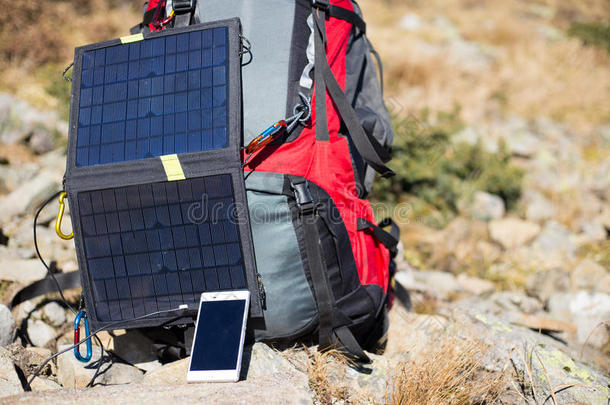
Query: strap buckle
[[303, 197], [320, 4], [182, 6]]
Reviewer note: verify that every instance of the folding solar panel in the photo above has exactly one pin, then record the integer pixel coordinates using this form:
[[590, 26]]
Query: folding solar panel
[[154, 175]]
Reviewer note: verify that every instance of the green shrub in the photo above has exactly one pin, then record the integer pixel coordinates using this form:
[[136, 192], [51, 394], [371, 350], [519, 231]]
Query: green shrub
[[436, 173], [597, 34]]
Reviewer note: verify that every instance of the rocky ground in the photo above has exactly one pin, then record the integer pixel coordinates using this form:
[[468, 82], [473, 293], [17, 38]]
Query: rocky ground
[[546, 341]]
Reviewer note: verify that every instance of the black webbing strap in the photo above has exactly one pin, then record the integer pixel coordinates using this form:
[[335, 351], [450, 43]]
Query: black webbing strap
[[388, 239], [347, 341], [45, 286], [347, 15], [340, 338], [183, 10], [317, 267], [369, 148]]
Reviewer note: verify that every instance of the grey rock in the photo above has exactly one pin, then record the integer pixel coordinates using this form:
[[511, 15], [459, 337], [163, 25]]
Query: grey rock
[[72, 373], [555, 238], [590, 312], [487, 207], [537, 207], [511, 233], [544, 284], [435, 283], [257, 391], [523, 143], [28, 196], [15, 176], [7, 326], [411, 22], [548, 359], [475, 285], [594, 231], [119, 373], [42, 141], [136, 349], [21, 271], [55, 313], [40, 333], [589, 275], [515, 301], [9, 380], [44, 384]]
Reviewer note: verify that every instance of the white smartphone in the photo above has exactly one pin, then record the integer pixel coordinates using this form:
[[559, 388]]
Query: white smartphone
[[219, 337]]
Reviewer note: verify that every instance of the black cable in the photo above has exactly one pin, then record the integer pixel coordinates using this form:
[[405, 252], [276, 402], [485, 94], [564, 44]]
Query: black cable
[[50, 273], [180, 312], [99, 363]]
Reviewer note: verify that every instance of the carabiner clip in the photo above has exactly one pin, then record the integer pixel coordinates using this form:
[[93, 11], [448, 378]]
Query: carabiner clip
[[60, 216], [267, 136], [79, 357]]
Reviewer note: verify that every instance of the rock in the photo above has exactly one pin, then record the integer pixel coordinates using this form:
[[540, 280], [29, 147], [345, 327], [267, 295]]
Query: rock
[[517, 302], [588, 275], [511, 232], [258, 391], [544, 284], [173, 373], [72, 373], [44, 384], [40, 333], [539, 323], [435, 283], [119, 373], [136, 349], [590, 312], [9, 380], [486, 207], [22, 271], [523, 143], [260, 360], [55, 313], [537, 207], [42, 142], [533, 356], [28, 197], [411, 22], [29, 359], [555, 239], [7, 326], [593, 231], [475, 285]]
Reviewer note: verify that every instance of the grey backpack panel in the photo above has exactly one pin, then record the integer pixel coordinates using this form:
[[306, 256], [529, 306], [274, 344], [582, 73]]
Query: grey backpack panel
[[268, 25], [290, 304]]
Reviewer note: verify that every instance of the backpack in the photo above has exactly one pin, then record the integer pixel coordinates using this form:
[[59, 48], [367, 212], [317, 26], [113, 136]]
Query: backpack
[[325, 266]]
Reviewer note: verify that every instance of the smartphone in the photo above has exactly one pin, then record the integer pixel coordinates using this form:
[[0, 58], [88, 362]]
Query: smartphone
[[219, 337]]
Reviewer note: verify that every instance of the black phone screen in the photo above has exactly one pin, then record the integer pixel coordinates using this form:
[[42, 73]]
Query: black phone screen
[[216, 344]]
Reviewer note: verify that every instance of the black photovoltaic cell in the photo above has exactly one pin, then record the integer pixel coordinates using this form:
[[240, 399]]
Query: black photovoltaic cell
[[155, 246], [154, 97]]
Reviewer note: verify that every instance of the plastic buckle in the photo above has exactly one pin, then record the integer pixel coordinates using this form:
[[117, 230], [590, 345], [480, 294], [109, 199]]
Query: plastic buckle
[[303, 197], [79, 357], [182, 6], [321, 4]]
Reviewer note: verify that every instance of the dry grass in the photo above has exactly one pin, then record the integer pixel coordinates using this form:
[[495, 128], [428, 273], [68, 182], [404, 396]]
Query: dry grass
[[449, 374], [326, 371], [37, 39], [535, 69]]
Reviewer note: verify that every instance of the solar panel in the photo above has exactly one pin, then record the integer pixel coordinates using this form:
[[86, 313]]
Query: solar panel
[[154, 176], [155, 246], [154, 97]]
